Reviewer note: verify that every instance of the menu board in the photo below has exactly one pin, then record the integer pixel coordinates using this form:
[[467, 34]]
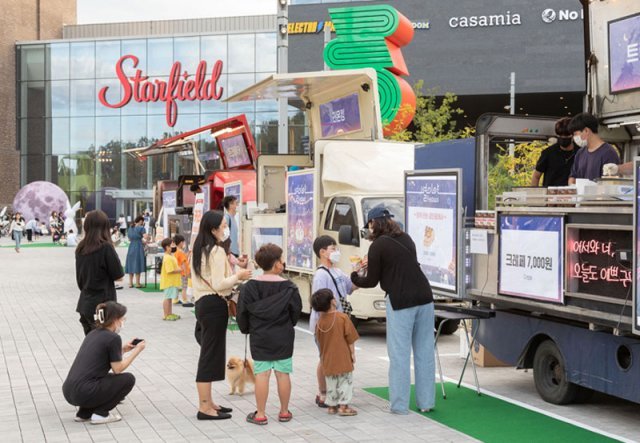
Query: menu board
[[340, 116], [432, 206], [300, 220], [530, 257], [624, 54], [593, 267]]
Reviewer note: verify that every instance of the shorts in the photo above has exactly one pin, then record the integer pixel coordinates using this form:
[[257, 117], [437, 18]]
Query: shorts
[[185, 282], [171, 293], [285, 366]]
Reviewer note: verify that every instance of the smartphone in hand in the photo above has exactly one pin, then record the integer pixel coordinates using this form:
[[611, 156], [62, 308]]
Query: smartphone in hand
[[135, 341]]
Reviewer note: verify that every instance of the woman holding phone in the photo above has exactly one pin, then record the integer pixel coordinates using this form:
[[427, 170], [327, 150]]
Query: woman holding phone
[[89, 384]]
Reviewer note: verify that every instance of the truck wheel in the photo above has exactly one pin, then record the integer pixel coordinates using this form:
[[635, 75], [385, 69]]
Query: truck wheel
[[550, 375], [450, 326]]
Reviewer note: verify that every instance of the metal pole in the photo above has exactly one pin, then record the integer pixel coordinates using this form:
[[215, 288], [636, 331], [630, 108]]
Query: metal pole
[[512, 107], [283, 67], [327, 39]]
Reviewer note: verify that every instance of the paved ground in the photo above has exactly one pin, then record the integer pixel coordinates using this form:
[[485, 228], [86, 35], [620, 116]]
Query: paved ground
[[39, 336]]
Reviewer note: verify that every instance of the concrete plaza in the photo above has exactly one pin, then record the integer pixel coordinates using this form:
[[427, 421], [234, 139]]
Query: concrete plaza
[[40, 334]]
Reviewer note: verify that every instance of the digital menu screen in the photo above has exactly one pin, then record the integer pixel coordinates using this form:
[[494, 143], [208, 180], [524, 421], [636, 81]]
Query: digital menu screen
[[624, 54], [235, 151], [340, 116]]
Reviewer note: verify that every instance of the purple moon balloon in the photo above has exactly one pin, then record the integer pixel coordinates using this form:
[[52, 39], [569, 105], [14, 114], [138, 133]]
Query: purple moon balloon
[[39, 199]]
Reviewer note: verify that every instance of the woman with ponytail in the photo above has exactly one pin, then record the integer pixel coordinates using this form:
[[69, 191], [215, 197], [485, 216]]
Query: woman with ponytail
[[89, 385], [97, 268]]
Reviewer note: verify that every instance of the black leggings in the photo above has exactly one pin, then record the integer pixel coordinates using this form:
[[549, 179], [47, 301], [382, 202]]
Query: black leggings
[[112, 389], [212, 314]]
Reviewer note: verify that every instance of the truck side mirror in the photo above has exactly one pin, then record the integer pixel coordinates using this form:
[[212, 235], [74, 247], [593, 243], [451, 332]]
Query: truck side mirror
[[346, 237]]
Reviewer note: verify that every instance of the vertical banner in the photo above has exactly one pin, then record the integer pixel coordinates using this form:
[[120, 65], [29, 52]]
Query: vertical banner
[[300, 220], [198, 212], [235, 189], [531, 257], [432, 206], [636, 249], [169, 202]]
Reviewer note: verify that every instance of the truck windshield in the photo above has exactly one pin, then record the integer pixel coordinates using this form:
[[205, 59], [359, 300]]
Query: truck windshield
[[395, 205]]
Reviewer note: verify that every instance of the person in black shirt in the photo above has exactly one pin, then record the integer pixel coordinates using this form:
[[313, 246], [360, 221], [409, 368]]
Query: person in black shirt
[[392, 262], [555, 162], [97, 267], [89, 385]]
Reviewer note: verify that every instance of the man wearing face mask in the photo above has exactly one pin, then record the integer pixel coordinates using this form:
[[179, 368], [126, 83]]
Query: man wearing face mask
[[328, 276], [596, 153], [555, 162]]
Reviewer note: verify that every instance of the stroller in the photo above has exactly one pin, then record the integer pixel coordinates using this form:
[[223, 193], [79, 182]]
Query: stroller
[[56, 235]]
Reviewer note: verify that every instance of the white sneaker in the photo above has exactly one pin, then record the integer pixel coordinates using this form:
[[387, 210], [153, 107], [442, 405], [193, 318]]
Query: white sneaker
[[80, 419], [100, 420]]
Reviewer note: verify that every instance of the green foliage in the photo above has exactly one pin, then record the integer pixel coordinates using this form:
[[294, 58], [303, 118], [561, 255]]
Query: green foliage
[[507, 171], [434, 119]]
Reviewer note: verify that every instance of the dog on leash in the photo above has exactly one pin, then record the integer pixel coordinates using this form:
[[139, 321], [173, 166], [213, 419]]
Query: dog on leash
[[239, 372]]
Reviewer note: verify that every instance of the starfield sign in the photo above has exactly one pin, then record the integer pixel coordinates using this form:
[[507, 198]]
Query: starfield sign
[[181, 86], [372, 37]]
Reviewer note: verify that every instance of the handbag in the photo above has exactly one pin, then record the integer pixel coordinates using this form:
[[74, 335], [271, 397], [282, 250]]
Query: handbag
[[346, 305]]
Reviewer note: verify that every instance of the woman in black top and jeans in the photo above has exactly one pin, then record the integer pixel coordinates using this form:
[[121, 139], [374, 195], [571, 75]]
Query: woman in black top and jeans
[[97, 267], [392, 262], [89, 384]]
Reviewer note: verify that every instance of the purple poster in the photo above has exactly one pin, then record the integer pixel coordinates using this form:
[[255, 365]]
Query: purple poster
[[340, 116], [624, 54], [300, 216]]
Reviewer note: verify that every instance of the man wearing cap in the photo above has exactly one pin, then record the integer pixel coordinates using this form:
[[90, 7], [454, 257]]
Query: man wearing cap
[[392, 263]]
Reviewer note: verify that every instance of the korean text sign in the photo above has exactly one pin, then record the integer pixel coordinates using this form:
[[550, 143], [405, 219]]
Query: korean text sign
[[432, 223], [531, 257], [340, 116], [300, 220], [624, 54]]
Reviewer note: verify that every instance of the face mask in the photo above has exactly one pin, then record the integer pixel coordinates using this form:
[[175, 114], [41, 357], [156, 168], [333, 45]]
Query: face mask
[[564, 141], [174, 249], [226, 234], [119, 328], [579, 141], [335, 257]]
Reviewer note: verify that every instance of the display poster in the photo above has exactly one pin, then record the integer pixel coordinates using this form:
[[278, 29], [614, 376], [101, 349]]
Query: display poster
[[636, 249], [300, 220], [624, 54], [235, 151], [340, 116], [198, 212], [169, 202], [235, 189], [531, 257], [592, 263], [262, 236], [206, 190], [432, 222]]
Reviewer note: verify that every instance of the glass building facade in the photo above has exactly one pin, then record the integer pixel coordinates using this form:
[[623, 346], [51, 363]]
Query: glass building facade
[[67, 136]]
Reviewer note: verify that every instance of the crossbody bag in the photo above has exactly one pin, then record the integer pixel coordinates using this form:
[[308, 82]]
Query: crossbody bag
[[346, 305]]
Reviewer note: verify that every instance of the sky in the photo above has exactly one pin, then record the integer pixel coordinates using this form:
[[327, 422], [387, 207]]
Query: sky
[[109, 11]]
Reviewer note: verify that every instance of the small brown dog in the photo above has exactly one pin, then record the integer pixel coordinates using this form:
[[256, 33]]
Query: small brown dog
[[239, 373]]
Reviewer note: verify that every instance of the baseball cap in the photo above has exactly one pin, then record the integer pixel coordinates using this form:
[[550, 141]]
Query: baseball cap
[[377, 212]]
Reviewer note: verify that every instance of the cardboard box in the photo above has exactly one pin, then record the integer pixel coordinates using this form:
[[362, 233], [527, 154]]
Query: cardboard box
[[483, 358]]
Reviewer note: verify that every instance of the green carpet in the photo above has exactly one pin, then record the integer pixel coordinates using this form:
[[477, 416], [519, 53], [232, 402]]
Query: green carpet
[[490, 419], [35, 245], [151, 288]]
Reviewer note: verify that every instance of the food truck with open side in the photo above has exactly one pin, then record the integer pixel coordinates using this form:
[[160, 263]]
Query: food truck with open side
[[349, 170]]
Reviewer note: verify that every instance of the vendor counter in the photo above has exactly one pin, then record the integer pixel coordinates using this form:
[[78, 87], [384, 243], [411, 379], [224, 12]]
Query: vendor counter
[[570, 263]]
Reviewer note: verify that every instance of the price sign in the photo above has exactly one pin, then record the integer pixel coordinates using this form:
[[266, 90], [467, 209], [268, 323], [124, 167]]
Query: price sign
[[531, 257]]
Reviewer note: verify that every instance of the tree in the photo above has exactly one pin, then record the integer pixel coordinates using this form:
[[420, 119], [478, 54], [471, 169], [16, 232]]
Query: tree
[[434, 120]]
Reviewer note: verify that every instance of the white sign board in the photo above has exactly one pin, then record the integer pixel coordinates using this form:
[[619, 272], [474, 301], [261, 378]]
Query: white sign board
[[531, 257]]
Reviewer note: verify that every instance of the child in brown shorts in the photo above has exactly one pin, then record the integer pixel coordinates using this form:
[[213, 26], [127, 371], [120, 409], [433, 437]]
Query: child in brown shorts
[[336, 336]]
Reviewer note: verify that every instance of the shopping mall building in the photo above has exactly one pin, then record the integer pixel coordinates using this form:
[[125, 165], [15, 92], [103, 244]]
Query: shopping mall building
[[75, 107]]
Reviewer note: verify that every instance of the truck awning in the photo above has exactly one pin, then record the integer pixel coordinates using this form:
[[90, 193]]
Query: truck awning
[[300, 87]]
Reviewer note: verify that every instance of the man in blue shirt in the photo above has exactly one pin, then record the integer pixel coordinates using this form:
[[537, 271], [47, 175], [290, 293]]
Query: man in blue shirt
[[595, 153], [230, 204]]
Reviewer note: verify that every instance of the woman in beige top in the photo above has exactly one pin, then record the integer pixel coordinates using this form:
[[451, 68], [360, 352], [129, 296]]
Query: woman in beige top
[[212, 277]]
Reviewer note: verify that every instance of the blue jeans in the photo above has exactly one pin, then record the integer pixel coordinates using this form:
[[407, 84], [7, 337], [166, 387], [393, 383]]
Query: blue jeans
[[407, 329], [17, 236]]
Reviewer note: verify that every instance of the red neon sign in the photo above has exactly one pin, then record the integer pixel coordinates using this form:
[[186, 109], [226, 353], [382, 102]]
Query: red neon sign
[[179, 87]]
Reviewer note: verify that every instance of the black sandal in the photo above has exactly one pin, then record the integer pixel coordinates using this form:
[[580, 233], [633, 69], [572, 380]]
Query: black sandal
[[320, 403]]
